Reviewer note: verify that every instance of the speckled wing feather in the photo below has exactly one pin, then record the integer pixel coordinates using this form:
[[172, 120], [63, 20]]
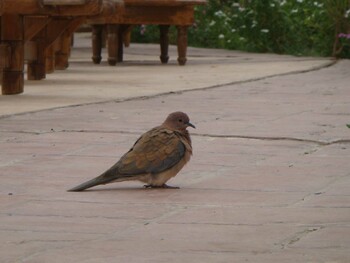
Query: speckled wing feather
[[157, 150]]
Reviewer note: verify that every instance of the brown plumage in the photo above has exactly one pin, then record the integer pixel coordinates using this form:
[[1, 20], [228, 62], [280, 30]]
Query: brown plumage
[[156, 156]]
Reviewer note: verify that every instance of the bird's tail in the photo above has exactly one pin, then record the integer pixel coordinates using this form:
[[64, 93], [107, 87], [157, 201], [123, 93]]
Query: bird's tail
[[102, 179]]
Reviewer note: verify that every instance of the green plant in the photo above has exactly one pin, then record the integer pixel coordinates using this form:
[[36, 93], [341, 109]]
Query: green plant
[[297, 27], [339, 13]]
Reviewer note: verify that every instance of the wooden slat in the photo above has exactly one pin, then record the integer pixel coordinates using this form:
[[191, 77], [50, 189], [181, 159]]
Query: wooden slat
[[58, 25], [33, 25], [159, 15], [163, 12], [64, 2], [164, 2], [36, 7]]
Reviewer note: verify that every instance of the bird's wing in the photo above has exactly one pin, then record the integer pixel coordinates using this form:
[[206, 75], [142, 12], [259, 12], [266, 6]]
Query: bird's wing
[[155, 151]]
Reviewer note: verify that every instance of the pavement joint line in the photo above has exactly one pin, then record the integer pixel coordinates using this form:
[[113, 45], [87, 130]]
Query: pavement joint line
[[68, 216], [298, 236], [225, 136], [136, 98], [47, 231], [316, 68], [267, 138]]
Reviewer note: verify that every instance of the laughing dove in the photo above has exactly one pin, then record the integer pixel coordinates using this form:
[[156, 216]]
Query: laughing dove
[[156, 156]]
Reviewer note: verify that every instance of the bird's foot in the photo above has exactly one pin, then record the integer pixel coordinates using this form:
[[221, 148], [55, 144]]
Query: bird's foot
[[164, 186], [169, 186]]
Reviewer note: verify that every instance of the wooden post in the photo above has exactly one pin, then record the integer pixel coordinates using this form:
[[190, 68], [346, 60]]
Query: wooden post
[[113, 44], [62, 56], [50, 59], [104, 36], [127, 35], [122, 30], [182, 44], [36, 69], [97, 31], [3, 52], [118, 49], [164, 43], [12, 34]]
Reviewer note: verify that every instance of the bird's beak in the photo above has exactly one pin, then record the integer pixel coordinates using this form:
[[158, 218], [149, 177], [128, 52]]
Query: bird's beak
[[191, 125]]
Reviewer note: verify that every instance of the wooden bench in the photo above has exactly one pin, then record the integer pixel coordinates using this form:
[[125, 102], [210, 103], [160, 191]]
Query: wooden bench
[[30, 28], [164, 13]]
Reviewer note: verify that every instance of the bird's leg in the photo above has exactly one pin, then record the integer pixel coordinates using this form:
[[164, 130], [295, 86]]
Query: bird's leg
[[164, 186]]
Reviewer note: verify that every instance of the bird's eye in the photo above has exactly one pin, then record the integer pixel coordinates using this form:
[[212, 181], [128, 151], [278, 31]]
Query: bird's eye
[[180, 120]]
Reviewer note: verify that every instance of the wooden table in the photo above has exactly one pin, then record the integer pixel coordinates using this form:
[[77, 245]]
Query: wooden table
[[164, 13], [29, 28]]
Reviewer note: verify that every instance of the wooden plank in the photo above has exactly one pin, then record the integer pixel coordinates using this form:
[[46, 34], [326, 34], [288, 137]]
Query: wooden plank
[[36, 7], [158, 15], [65, 2], [33, 25], [59, 25], [163, 2]]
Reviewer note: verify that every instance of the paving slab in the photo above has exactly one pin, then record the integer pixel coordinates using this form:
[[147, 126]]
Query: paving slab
[[142, 74], [269, 180]]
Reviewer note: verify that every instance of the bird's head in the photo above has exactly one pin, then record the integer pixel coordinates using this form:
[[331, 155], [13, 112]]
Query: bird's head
[[178, 121]]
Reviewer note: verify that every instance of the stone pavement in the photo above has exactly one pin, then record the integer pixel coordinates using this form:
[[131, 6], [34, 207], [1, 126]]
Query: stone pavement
[[143, 75], [269, 180]]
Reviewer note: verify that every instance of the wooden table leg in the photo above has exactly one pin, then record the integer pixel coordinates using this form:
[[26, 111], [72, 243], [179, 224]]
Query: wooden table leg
[[12, 34], [182, 44], [112, 43], [127, 35], [122, 31], [50, 59], [36, 68], [97, 31], [62, 56], [164, 43]]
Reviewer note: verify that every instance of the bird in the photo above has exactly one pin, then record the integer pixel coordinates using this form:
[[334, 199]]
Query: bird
[[156, 156]]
